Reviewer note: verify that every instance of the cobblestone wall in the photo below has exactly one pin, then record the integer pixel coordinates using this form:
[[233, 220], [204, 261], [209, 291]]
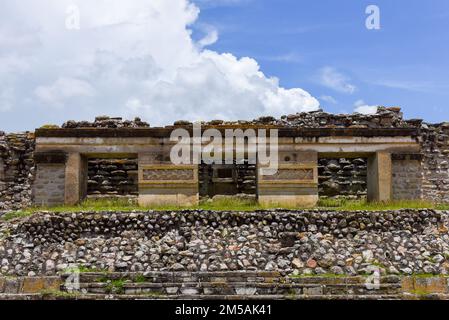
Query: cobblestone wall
[[16, 170], [435, 149], [305, 242], [342, 177], [112, 177]]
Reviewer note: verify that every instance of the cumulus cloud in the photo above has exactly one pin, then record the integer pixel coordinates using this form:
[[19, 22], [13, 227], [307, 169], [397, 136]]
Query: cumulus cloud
[[331, 78], [63, 89], [210, 38], [363, 108], [130, 58], [329, 99]]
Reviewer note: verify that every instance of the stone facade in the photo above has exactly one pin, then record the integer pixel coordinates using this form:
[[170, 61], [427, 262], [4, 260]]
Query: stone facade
[[425, 178], [16, 170], [435, 166], [298, 242]]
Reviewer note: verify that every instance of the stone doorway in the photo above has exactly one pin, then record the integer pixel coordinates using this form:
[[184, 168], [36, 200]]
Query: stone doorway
[[227, 180], [112, 178]]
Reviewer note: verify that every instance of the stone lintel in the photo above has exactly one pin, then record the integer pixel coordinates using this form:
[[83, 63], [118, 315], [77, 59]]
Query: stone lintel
[[282, 132]]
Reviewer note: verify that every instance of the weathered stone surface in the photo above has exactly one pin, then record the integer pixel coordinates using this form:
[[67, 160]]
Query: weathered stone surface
[[106, 122], [112, 178], [16, 170], [351, 243]]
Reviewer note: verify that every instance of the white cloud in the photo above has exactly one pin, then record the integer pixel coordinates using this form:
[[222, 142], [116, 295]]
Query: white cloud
[[63, 89], [331, 78], [329, 99], [291, 57], [217, 3], [210, 38], [130, 58], [363, 108]]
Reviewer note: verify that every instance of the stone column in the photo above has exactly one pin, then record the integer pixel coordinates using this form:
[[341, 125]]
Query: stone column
[[75, 172], [379, 177]]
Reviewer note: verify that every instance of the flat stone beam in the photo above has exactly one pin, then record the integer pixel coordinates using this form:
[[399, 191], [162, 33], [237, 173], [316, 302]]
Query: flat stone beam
[[380, 177], [282, 132]]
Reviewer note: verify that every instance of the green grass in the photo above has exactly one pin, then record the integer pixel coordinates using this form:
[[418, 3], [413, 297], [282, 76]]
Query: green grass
[[358, 205], [428, 275], [140, 279], [16, 215], [59, 294], [116, 286], [120, 205]]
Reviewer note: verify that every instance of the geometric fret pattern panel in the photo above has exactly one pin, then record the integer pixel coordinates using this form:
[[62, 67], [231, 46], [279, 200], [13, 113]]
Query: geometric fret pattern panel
[[291, 174], [168, 174]]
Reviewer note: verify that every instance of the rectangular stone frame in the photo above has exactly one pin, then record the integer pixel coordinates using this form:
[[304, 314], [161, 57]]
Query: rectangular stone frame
[[168, 192], [278, 191]]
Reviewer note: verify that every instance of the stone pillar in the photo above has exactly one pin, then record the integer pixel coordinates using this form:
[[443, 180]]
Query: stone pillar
[[295, 185], [163, 184], [379, 177], [75, 179]]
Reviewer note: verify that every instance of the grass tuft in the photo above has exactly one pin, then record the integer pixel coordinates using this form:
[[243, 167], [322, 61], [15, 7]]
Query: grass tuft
[[227, 204]]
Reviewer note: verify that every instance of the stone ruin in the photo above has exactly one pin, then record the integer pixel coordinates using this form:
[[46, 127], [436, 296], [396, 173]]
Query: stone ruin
[[380, 156]]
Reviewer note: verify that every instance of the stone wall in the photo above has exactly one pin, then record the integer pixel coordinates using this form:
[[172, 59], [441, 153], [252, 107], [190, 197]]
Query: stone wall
[[435, 149], [299, 242], [342, 177], [112, 177], [16, 170], [407, 177], [49, 185]]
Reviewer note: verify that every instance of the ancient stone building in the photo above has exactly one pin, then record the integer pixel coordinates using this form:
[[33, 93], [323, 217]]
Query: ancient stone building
[[381, 157]]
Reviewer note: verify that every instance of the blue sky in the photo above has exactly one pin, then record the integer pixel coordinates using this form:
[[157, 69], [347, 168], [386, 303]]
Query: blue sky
[[164, 60], [405, 63]]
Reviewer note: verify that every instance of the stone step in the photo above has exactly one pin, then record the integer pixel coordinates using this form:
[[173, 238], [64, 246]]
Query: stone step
[[228, 277], [217, 297], [163, 276], [235, 288]]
